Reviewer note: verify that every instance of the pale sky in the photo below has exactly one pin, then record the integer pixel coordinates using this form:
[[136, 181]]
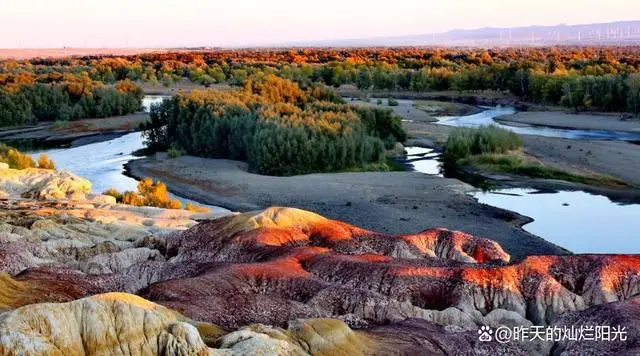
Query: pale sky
[[164, 23]]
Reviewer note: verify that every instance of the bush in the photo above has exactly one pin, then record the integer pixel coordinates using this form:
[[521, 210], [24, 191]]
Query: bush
[[114, 193], [45, 163], [174, 153], [382, 123], [149, 193], [465, 142], [156, 194], [132, 198], [15, 159], [393, 102], [195, 208], [516, 163], [67, 101], [16, 110]]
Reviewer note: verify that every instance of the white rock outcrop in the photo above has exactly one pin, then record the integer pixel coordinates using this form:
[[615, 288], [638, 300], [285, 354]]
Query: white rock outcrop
[[43, 184]]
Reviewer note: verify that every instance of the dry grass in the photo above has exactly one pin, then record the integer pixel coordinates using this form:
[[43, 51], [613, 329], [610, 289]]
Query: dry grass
[[517, 162]]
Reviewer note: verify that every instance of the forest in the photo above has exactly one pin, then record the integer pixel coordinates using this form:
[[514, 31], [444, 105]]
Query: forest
[[584, 79], [26, 102], [276, 126]]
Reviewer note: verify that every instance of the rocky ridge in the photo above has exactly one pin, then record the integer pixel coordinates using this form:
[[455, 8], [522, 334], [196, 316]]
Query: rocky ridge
[[280, 281]]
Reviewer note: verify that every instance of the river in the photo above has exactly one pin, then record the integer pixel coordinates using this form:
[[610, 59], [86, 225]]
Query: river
[[487, 117], [576, 220], [102, 163]]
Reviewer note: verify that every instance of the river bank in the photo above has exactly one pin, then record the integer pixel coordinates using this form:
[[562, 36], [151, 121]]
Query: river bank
[[72, 133], [484, 98], [565, 120], [618, 159], [391, 202]]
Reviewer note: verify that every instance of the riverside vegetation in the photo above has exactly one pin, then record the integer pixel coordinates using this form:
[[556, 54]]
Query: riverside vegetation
[[276, 126], [153, 194], [84, 276], [494, 149], [18, 160], [27, 102], [149, 193]]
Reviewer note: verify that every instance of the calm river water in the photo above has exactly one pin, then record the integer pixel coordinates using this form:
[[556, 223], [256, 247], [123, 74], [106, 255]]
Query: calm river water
[[578, 221]]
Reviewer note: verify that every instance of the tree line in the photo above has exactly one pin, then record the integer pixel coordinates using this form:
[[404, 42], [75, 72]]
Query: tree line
[[276, 126], [18, 160], [30, 103], [599, 79]]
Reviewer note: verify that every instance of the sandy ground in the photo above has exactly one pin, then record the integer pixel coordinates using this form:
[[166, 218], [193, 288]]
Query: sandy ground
[[615, 158], [81, 131], [397, 202], [393, 202], [486, 98], [573, 121], [412, 113]]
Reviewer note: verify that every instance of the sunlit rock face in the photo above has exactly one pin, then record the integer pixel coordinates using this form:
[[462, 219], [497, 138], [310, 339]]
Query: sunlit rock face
[[273, 279], [107, 324], [125, 324], [42, 184], [282, 264]]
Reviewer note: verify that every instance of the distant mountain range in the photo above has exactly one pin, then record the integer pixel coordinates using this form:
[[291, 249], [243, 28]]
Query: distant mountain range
[[613, 33]]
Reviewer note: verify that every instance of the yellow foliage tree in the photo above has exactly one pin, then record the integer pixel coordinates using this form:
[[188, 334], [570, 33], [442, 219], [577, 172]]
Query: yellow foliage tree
[[45, 163], [17, 160], [132, 198]]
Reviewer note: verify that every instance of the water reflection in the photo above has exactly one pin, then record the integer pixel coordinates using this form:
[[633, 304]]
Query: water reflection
[[487, 118], [578, 221], [424, 160], [103, 163], [148, 100]]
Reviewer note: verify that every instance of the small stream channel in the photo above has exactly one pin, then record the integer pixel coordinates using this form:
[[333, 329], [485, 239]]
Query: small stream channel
[[102, 163], [576, 220]]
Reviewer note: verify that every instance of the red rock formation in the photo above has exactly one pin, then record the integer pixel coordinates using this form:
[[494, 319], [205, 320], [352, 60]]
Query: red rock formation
[[280, 264]]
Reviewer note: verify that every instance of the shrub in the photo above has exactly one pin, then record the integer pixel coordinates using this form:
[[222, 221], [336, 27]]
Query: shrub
[[114, 193], [174, 153], [76, 99], [393, 102], [16, 110], [465, 142], [149, 193], [156, 194], [15, 159], [132, 198], [45, 163], [196, 208], [382, 123]]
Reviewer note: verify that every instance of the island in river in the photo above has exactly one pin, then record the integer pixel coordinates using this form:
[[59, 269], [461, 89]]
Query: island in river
[[394, 202]]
